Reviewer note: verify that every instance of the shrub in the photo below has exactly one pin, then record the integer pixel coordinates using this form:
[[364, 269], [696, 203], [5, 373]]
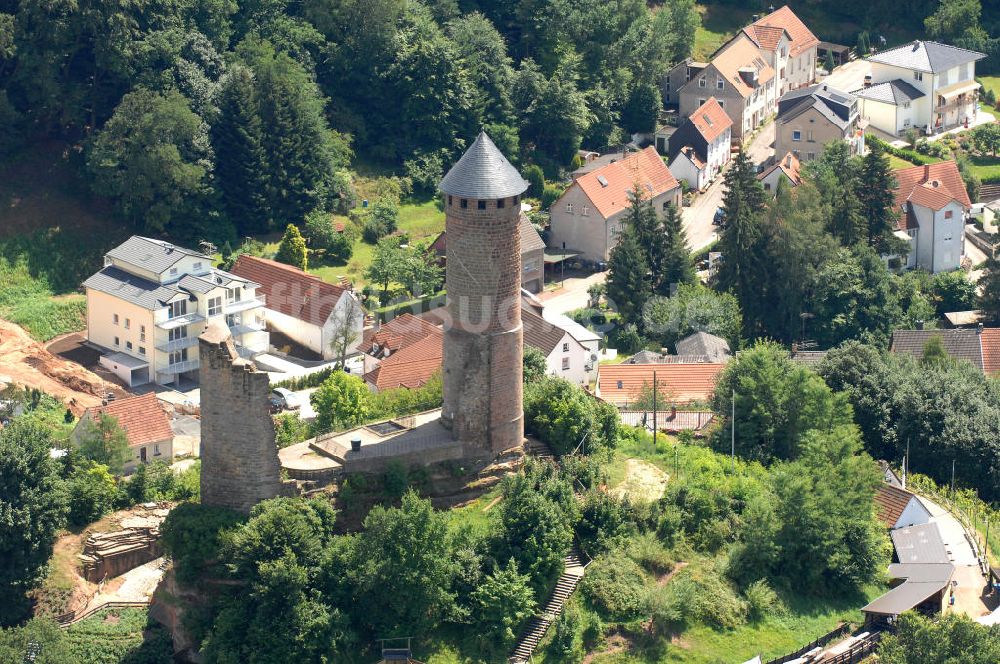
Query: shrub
[[92, 493], [425, 171], [191, 535], [650, 554], [289, 429], [567, 639], [605, 523], [615, 586], [698, 593], [536, 180], [762, 601], [550, 194], [395, 479]]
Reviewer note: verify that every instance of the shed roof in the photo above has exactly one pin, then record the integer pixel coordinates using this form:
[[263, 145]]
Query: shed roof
[[920, 544], [902, 598], [483, 172]]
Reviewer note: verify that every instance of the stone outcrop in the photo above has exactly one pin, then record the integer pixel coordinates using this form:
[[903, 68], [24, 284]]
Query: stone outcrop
[[106, 555], [239, 458]]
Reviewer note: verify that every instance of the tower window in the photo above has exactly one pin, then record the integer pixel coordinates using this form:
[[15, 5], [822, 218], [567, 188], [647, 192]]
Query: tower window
[[481, 205], [449, 200], [464, 204], [501, 203]]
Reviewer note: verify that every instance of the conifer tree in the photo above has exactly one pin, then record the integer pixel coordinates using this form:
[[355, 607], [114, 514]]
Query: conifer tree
[[292, 250], [643, 221], [743, 205], [241, 169], [628, 277], [676, 267], [876, 196]]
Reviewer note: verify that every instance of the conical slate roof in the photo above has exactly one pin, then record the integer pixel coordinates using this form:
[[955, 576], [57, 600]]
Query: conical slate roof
[[483, 172]]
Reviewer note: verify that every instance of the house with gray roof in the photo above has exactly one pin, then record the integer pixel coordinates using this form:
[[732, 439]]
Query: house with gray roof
[[978, 345], [924, 85], [809, 118], [151, 300]]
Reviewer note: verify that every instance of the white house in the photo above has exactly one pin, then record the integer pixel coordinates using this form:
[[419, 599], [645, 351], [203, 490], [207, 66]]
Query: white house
[[150, 301], [932, 203], [924, 85], [898, 508], [564, 356], [702, 145], [305, 308]]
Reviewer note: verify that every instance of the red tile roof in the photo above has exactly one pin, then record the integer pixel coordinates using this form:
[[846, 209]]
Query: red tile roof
[[931, 185], [289, 290], [890, 502], [789, 165], [710, 120], [400, 332], [739, 54], [644, 167], [412, 366], [767, 31], [142, 418], [684, 382], [990, 339], [692, 156]]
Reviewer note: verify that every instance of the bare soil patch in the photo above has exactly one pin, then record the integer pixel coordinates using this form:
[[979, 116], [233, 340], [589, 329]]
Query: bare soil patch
[[643, 481], [28, 363]]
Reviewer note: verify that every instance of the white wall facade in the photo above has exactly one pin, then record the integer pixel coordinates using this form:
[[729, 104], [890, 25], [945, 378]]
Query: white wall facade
[[915, 514], [568, 360], [940, 238], [684, 169]]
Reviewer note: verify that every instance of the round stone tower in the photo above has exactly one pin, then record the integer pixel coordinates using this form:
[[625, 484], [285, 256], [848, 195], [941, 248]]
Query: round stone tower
[[482, 344]]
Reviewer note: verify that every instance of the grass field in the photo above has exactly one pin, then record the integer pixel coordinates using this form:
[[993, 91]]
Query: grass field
[[421, 221], [985, 166], [718, 24], [116, 636]]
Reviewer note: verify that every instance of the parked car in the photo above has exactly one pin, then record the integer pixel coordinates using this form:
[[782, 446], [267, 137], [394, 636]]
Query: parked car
[[720, 217], [283, 399]]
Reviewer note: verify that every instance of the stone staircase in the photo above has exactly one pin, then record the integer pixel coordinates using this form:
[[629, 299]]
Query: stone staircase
[[538, 449], [536, 628]]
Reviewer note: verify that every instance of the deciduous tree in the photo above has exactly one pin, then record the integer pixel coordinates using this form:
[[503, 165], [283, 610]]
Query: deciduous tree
[[342, 401]]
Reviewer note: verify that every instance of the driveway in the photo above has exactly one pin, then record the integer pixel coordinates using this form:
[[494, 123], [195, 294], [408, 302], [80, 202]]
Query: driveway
[[849, 77], [573, 294]]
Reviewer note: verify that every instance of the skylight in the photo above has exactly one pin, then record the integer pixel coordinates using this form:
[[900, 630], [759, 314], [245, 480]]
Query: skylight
[[603, 180]]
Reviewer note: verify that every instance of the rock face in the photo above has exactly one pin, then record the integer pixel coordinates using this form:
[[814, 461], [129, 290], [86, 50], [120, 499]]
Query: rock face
[[239, 458], [483, 346]]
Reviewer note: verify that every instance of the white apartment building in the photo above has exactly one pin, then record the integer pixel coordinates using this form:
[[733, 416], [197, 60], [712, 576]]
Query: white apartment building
[[924, 85], [149, 303]]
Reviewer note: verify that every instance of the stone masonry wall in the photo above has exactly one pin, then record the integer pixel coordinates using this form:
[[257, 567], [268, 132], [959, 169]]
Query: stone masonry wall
[[482, 349], [239, 458]]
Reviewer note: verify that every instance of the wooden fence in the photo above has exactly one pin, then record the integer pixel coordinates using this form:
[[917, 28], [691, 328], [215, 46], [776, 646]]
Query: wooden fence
[[858, 652], [840, 631], [71, 617]]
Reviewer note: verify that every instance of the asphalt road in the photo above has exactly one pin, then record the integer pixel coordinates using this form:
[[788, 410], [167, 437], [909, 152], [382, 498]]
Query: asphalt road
[[698, 217]]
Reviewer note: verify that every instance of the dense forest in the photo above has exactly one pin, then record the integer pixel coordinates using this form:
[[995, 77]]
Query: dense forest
[[219, 119]]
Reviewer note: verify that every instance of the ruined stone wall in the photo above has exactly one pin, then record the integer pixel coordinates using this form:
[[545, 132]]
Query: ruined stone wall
[[483, 347], [239, 458]]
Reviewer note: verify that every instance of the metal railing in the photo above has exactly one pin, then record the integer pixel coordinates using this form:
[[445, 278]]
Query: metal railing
[[72, 617], [838, 632], [242, 305]]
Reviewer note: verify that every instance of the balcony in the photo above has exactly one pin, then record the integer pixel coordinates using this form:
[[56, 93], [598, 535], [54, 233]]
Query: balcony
[[245, 328], [235, 306], [181, 367], [180, 321], [177, 344]]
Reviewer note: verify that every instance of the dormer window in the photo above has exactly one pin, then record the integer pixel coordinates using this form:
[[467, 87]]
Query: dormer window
[[173, 272]]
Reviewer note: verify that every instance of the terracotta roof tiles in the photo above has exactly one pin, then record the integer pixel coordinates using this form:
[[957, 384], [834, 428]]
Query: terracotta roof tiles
[[400, 332], [142, 418], [890, 502], [684, 382], [412, 366], [289, 290], [801, 36], [990, 340], [949, 185], [608, 188], [742, 53], [710, 120]]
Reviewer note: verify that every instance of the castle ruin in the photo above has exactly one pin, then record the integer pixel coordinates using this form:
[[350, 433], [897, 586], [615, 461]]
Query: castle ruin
[[239, 457]]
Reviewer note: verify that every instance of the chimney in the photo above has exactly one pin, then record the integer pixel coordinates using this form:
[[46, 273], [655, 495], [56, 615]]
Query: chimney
[[920, 324], [979, 329], [927, 171], [356, 443]]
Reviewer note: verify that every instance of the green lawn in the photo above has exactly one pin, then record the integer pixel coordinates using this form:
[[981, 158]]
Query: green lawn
[[990, 83], [718, 24], [422, 221], [895, 163], [985, 166]]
